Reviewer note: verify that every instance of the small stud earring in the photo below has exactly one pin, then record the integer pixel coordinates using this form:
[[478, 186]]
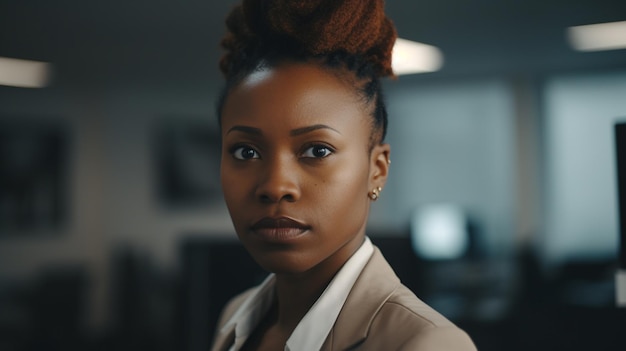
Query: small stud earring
[[388, 161], [375, 193]]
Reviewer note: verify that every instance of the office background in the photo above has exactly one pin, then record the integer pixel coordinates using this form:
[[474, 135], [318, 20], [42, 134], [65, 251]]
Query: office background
[[109, 181]]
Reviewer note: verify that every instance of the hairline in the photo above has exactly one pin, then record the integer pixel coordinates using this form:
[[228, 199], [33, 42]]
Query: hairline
[[344, 75]]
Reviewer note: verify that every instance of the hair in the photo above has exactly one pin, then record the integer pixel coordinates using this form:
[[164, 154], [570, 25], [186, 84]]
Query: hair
[[352, 36]]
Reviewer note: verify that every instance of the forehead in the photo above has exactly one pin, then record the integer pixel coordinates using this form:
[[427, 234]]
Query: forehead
[[294, 94]]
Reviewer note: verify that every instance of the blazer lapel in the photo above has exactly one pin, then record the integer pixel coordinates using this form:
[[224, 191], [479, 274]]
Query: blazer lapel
[[224, 339], [375, 284], [225, 336]]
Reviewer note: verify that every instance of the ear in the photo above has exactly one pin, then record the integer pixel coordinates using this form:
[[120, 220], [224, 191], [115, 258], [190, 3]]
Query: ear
[[379, 165]]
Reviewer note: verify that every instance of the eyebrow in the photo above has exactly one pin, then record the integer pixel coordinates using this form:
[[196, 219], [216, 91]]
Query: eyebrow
[[308, 129], [294, 132], [245, 129]]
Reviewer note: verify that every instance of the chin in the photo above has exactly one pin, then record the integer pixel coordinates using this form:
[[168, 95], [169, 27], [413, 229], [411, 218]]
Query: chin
[[282, 261]]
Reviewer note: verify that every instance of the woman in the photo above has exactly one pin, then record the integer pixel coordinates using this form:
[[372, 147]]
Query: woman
[[302, 121]]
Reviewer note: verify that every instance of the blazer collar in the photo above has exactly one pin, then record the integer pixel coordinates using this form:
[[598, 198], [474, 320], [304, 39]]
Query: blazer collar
[[371, 290]]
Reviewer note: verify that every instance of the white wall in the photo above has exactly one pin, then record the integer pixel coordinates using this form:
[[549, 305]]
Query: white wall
[[581, 190], [452, 143]]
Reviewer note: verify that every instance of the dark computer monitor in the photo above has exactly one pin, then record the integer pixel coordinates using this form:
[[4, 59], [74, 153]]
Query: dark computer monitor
[[620, 150]]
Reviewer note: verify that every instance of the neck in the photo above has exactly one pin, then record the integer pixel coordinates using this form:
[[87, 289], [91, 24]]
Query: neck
[[295, 296], [297, 292]]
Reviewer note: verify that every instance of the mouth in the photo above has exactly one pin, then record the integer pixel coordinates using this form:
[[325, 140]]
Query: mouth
[[279, 229]]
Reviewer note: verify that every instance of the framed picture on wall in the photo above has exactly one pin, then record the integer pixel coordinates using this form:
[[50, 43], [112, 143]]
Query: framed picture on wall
[[187, 154], [33, 176]]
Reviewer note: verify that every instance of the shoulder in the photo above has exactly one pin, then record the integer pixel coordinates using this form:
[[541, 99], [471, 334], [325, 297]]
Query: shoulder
[[232, 306], [383, 314], [410, 324], [404, 302]]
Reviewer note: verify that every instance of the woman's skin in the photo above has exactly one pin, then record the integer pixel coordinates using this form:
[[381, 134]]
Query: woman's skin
[[296, 170]]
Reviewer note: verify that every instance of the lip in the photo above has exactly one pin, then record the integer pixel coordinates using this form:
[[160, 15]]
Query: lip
[[279, 229]]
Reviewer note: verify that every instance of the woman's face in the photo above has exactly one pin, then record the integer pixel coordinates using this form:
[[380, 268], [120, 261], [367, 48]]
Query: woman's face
[[296, 167]]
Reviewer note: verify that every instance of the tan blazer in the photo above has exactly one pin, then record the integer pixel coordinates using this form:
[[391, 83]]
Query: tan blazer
[[380, 314]]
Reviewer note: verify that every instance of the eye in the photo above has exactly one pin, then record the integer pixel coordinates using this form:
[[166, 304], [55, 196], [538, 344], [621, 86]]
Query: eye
[[317, 151], [244, 153]]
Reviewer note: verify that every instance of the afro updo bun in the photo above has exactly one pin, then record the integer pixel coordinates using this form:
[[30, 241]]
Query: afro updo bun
[[310, 28]]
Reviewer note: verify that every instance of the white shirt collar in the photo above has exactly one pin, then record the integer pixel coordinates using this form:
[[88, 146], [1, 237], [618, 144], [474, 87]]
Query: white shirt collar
[[314, 327]]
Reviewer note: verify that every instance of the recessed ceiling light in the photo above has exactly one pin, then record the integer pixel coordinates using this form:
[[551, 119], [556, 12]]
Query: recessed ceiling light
[[24, 73], [598, 37], [412, 57]]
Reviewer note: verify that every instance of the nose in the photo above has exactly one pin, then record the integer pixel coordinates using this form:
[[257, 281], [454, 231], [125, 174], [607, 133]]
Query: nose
[[278, 182]]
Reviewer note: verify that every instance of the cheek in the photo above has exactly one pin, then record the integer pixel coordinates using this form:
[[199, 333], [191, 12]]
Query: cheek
[[345, 193], [353, 174]]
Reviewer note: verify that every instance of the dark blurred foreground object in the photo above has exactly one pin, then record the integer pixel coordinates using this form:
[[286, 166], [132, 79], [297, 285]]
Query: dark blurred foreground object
[[47, 314], [33, 171], [144, 304], [213, 271]]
